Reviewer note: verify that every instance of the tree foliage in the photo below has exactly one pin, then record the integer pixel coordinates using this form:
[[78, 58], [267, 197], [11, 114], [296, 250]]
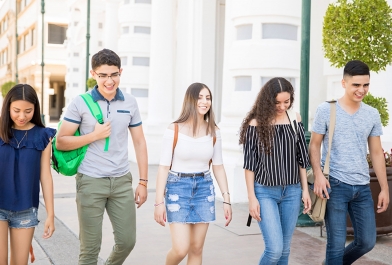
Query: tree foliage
[[380, 104], [358, 30], [91, 82], [7, 87]]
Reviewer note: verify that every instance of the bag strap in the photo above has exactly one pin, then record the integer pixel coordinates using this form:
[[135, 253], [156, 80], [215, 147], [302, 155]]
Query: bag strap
[[174, 142], [175, 139], [96, 112], [332, 122], [293, 121]]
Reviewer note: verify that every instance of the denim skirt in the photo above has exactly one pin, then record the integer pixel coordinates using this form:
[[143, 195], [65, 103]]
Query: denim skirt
[[190, 199]]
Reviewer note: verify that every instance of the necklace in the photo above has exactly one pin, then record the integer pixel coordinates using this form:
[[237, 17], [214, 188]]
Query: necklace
[[19, 142]]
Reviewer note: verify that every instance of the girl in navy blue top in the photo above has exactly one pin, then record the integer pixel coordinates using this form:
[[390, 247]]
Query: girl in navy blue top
[[25, 147]]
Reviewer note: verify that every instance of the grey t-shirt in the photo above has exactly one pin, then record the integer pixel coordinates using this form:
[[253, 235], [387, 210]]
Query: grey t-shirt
[[123, 112], [349, 143]]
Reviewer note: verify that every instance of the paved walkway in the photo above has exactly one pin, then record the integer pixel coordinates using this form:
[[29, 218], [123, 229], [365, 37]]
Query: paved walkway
[[232, 245]]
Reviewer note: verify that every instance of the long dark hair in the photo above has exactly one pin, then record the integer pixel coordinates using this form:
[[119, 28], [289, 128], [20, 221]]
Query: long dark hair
[[264, 112], [189, 109], [18, 92]]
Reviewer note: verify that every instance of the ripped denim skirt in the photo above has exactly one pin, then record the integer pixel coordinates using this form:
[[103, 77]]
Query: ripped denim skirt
[[190, 198]]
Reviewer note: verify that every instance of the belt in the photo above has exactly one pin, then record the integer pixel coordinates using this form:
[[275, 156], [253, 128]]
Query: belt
[[200, 174]]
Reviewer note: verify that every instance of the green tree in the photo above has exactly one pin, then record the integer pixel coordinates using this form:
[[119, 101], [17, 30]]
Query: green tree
[[358, 30], [381, 105], [7, 87], [91, 82]]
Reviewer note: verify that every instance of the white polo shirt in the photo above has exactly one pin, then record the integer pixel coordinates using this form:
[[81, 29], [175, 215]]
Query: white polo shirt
[[122, 112]]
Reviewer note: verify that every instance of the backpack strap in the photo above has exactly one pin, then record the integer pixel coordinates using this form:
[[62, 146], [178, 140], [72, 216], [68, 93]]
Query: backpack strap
[[96, 112], [175, 139]]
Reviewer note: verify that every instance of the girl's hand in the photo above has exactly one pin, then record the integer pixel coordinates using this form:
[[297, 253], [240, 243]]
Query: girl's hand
[[228, 213], [307, 201], [49, 228], [160, 214], [254, 208]]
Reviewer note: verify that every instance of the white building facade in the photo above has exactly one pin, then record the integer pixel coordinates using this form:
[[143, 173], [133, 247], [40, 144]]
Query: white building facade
[[233, 46], [21, 49]]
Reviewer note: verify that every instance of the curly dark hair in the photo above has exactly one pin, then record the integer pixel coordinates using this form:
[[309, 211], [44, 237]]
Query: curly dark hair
[[264, 112]]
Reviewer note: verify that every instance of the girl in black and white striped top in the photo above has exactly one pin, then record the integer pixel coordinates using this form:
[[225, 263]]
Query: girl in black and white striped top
[[275, 161]]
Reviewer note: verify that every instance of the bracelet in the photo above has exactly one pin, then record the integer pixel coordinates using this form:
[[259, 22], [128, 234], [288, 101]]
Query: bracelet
[[228, 203], [141, 183], [226, 192], [157, 204], [146, 180]]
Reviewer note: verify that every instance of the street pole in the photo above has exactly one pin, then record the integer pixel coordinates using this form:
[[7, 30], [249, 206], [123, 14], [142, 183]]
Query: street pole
[[87, 43], [16, 43], [304, 219], [42, 62], [305, 51]]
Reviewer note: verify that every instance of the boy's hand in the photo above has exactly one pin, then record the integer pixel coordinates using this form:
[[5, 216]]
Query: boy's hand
[[102, 131], [140, 195]]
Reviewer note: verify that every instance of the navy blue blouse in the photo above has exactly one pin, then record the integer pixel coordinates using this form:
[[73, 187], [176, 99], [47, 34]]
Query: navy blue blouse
[[20, 168]]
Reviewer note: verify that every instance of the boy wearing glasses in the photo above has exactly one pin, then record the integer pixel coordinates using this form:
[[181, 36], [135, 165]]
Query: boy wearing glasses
[[103, 180]]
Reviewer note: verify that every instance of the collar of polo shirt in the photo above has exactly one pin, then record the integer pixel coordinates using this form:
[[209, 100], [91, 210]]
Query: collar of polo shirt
[[98, 96]]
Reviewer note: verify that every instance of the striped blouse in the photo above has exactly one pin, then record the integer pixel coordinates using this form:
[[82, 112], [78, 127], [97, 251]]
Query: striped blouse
[[281, 166]]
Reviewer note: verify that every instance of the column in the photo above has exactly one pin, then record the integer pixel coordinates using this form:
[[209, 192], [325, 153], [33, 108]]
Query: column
[[249, 59], [160, 93], [111, 24]]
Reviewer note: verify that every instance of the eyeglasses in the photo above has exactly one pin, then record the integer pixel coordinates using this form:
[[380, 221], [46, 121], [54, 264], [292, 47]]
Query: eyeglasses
[[105, 77]]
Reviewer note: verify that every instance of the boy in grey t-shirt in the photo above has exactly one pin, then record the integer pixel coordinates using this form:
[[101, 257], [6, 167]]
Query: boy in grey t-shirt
[[357, 126], [103, 181]]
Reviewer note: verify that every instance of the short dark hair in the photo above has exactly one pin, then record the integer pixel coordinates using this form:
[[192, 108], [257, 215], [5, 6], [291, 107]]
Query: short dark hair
[[107, 57], [18, 92], [356, 67]]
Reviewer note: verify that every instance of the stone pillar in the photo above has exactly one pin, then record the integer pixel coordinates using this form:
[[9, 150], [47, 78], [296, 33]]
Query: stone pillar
[[250, 58], [111, 24], [160, 93]]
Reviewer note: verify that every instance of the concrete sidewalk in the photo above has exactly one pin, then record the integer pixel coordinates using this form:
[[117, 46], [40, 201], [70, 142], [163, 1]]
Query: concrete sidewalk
[[232, 245]]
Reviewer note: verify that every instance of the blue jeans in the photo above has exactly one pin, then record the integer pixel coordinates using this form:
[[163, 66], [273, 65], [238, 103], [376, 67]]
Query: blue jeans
[[279, 208], [357, 201]]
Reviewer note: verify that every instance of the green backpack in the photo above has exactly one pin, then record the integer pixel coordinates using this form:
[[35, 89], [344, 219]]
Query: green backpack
[[67, 162]]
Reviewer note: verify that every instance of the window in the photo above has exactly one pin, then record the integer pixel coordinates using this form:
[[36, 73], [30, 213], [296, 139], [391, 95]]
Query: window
[[142, 1], [126, 2], [139, 92], [100, 43], [243, 83], [124, 60], [100, 25], [142, 61], [125, 30], [244, 32], [76, 54], [57, 34], [265, 79], [279, 31], [75, 69], [142, 30], [76, 23], [75, 85]]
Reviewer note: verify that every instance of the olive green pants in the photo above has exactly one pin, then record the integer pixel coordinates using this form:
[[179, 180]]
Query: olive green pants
[[93, 196]]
